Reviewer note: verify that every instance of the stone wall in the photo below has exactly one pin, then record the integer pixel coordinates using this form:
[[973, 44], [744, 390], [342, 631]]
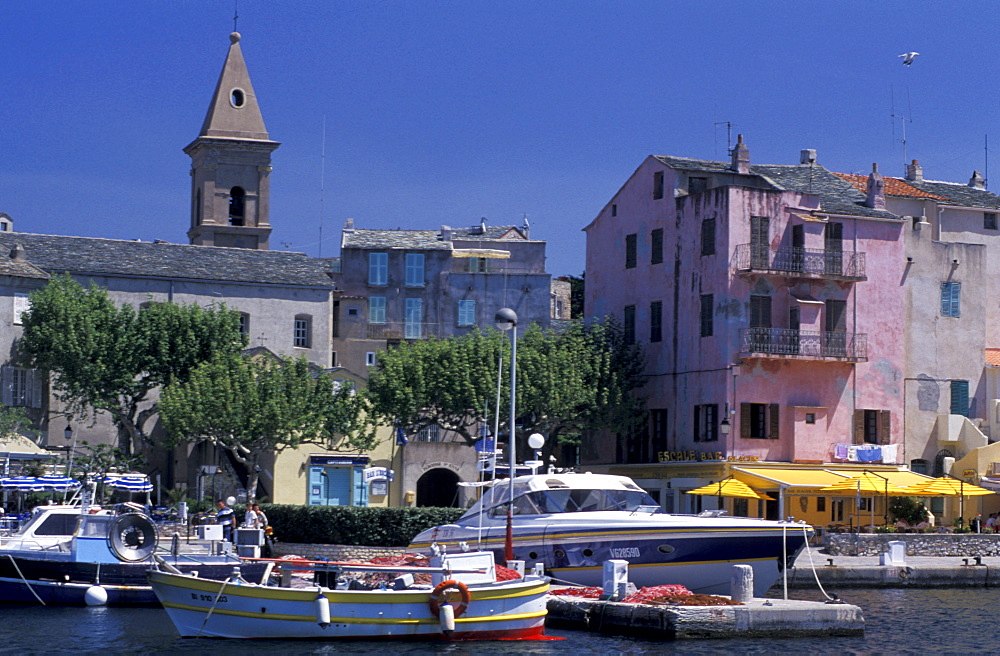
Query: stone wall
[[917, 544], [334, 551]]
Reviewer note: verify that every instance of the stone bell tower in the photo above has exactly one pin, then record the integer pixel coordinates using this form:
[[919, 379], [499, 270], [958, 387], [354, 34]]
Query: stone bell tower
[[231, 164]]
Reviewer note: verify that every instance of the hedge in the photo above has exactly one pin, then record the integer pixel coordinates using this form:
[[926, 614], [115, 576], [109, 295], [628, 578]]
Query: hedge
[[353, 525]]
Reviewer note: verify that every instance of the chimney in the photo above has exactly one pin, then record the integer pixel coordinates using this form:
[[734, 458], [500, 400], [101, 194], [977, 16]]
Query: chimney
[[741, 156], [876, 190], [482, 225], [445, 233], [18, 253], [349, 224], [807, 157], [977, 181], [526, 228], [915, 172]]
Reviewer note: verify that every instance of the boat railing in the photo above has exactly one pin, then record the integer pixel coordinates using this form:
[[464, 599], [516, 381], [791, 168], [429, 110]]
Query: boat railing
[[333, 566]]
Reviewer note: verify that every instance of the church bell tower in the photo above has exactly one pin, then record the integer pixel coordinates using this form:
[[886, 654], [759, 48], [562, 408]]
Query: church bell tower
[[231, 164]]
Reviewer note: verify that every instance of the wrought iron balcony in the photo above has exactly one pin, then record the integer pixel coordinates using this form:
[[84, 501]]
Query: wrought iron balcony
[[800, 262], [785, 343]]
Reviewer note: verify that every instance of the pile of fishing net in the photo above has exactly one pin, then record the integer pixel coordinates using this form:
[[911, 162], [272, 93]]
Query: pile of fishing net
[[674, 595]]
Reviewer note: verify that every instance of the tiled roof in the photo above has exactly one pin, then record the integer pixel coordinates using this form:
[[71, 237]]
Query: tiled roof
[[419, 239], [143, 259], [993, 356], [893, 186], [836, 195], [960, 194]]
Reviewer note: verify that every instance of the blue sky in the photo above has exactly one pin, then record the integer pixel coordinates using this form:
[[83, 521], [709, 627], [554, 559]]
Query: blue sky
[[442, 112]]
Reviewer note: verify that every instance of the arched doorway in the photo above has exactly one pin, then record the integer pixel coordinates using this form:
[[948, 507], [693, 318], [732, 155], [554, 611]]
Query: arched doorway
[[438, 488]]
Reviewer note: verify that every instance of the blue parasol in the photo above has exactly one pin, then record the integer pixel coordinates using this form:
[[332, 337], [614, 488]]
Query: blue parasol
[[129, 483]]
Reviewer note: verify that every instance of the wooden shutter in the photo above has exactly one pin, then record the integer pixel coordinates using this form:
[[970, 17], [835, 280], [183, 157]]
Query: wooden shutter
[[697, 423], [35, 379], [7, 382], [884, 426], [773, 423], [745, 421], [859, 427]]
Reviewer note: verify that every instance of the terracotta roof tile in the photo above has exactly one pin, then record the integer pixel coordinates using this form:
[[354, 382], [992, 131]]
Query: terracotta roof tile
[[893, 186]]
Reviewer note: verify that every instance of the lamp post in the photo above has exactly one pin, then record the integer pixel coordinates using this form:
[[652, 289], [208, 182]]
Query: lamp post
[[69, 435], [506, 319]]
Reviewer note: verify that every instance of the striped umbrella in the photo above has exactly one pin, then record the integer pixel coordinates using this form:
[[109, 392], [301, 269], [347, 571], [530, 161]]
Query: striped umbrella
[[22, 483], [58, 483], [129, 483]]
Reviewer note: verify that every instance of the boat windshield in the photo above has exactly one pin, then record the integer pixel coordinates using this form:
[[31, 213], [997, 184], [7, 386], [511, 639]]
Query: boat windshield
[[546, 502]]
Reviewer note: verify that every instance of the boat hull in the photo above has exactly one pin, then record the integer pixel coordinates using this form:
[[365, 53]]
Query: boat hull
[[212, 609], [56, 581], [697, 557]]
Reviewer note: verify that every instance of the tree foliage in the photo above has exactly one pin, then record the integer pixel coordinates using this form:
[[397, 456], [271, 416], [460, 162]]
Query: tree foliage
[[252, 406], [567, 381], [108, 358]]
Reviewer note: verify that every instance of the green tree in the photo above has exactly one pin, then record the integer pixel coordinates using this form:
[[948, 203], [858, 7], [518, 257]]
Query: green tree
[[14, 421], [576, 295], [567, 381], [108, 359], [252, 406]]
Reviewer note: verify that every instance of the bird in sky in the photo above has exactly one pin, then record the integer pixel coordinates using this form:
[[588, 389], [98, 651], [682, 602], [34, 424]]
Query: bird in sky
[[908, 57]]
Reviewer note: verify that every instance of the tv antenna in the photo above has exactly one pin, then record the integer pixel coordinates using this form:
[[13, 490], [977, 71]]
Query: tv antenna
[[322, 185], [903, 120], [986, 154], [729, 135]]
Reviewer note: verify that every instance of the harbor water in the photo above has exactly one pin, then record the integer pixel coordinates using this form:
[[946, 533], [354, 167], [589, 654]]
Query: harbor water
[[898, 621]]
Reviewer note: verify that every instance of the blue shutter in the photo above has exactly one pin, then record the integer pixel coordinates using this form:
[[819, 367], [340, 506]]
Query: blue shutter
[[960, 397], [951, 296], [317, 493], [360, 488]]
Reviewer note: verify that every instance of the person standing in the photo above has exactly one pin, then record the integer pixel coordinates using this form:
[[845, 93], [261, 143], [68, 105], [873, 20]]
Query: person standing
[[250, 518], [226, 518]]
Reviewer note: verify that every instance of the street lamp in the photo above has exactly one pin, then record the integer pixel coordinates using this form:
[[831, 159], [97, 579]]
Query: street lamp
[[68, 434], [506, 319]]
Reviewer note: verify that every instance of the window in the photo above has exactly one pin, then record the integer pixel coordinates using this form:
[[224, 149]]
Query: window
[[614, 209], [872, 426], [21, 387], [370, 358], [378, 268], [237, 206], [466, 313], [237, 98], [430, 433], [658, 430], [820, 504], [706, 423], [708, 237], [478, 265], [656, 244], [759, 421], [414, 269], [990, 220], [303, 331], [951, 294], [697, 185], [376, 309], [630, 246], [919, 466], [197, 207], [21, 305], [414, 318], [657, 185], [741, 507], [810, 417], [960, 397], [835, 339], [352, 311], [244, 324], [629, 324], [707, 310], [656, 321], [837, 510]]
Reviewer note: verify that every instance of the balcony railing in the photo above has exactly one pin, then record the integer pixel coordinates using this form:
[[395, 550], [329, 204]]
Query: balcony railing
[[803, 262], [804, 344]]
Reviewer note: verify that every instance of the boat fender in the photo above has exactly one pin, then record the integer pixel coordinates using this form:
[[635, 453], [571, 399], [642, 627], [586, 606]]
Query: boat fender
[[322, 610], [435, 600], [96, 595], [446, 615]]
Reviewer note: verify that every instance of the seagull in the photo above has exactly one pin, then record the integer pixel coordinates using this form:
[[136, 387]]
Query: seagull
[[908, 57]]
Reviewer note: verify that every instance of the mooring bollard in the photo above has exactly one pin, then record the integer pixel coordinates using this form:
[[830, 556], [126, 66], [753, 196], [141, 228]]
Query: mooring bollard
[[741, 583], [615, 580]]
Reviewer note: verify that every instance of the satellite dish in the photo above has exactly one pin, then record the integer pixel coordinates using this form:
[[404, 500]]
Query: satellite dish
[[132, 537], [536, 441]]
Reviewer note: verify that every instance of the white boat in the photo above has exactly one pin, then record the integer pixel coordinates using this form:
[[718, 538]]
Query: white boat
[[463, 601], [80, 554], [572, 523]]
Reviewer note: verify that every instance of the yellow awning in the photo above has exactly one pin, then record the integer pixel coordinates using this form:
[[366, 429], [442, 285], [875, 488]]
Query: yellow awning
[[898, 478], [795, 479], [489, 253]]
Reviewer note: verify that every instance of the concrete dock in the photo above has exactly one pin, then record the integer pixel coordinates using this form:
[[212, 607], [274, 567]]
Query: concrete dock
[[758, 618], [914, 571]]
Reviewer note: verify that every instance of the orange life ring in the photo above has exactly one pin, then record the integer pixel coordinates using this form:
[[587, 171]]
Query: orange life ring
[[435, 599]]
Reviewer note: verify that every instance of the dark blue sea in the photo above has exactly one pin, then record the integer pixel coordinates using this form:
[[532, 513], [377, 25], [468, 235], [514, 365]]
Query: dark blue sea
[[962, 621]]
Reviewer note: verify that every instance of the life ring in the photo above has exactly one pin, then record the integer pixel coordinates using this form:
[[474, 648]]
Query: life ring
[[435, 599]]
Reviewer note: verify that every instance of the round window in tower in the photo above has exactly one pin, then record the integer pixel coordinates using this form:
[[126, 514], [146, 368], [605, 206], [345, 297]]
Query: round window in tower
[[237, 98]]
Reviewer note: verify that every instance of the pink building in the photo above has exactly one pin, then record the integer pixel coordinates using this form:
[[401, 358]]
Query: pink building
[[770, 302]]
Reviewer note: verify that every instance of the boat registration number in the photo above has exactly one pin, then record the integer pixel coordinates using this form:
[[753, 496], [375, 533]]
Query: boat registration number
[[201, 597], [625, 552]]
